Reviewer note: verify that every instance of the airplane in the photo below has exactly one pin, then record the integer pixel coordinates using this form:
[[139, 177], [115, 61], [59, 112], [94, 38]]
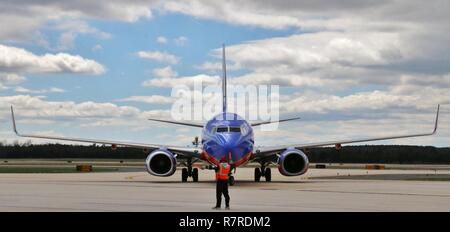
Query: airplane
[[225, 135]]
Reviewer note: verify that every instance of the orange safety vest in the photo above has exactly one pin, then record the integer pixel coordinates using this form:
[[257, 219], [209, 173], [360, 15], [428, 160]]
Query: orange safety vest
[[224, 170]]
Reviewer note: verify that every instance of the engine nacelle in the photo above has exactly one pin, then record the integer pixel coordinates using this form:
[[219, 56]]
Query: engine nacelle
[[161, 162], [293, 162]]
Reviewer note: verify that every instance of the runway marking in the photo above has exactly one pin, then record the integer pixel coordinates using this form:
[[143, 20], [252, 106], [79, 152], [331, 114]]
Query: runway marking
[[374, 193], [140, 204], [131, 177], [48, 208]]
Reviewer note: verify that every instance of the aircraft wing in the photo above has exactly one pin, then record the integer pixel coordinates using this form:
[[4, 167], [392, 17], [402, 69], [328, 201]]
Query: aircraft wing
[[271, 150], [176, 122], [268, 122], [184, 151]]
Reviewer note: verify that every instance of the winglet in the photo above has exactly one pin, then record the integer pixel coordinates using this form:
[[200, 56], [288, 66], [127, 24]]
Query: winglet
[[14, 121], [436, 121]]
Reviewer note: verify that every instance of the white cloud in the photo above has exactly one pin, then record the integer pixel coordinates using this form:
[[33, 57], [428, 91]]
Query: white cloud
[[97, 47], [67, 41], [317, 15], [167, 77], [210, 66], [11, 78], [32, 110], [331, 60], [105, 122], [317, 50], [155, 114], [56, 90], [163, 57], [21, 89], [19, 60], [153, 99], [186, 81], [181, 41], [346, 15], [371, 43], [161, 40], [232, 12], [30, 16], [71, 29], [8, 79], [80, 27], [166, 72], [320, 103], [34, 114], [282, 79], [216, 66], [35, 106]]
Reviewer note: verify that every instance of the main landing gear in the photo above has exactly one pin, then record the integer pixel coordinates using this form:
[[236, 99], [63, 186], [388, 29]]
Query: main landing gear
[[189, 172], [263, 172]]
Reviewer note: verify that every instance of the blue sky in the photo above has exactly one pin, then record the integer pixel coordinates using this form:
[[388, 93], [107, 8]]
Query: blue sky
[[75, 71]]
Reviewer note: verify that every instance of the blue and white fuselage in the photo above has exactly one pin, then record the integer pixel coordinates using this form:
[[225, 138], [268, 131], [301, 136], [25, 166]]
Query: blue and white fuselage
[[230, 136]]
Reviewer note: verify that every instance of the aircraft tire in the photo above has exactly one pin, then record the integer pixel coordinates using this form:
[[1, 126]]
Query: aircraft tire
[[268, 175], [257, 175], [231, 180], [195, 174], [184, 175]]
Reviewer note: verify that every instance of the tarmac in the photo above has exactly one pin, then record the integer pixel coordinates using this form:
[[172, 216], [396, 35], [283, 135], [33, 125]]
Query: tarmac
[[318, 190]]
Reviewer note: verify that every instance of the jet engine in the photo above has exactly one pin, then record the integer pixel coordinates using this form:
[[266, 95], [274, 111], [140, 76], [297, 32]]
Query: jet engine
[[293, 162], [161, 162]]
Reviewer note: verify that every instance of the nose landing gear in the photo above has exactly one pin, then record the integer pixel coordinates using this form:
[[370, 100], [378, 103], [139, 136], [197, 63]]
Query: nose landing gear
[[231, 180]]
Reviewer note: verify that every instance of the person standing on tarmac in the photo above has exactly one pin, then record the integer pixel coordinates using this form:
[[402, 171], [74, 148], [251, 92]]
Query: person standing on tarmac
[[222, 175]]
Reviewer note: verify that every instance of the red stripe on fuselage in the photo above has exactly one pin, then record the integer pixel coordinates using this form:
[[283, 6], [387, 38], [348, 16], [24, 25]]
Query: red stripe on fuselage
[[211, 159]]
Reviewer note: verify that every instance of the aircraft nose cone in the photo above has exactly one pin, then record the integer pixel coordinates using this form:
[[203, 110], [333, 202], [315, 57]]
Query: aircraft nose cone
[[229, 144], [229, 140], [234, 144]]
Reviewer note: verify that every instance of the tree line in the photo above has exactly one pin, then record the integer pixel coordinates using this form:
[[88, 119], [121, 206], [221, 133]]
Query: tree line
[[397, 154]]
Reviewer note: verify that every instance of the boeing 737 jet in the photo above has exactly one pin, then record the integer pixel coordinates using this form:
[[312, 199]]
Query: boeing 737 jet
[[225, 135]]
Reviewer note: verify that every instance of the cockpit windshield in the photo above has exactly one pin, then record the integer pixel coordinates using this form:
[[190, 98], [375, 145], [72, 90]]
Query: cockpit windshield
[[227, 129], [222, 129], [235, 129]]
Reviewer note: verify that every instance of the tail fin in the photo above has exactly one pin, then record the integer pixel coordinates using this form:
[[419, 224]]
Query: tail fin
[[224, 80]]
